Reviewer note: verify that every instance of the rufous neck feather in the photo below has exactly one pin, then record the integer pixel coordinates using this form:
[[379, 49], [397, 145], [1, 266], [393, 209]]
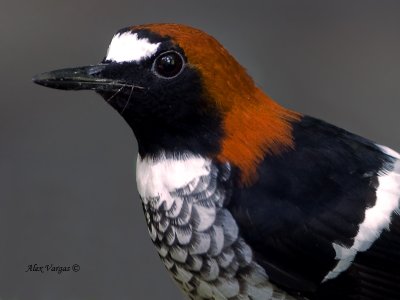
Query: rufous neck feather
[[253, 130], [254, 125]]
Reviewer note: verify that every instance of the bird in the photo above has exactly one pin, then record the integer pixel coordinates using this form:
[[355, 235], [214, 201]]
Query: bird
[[243, 198]]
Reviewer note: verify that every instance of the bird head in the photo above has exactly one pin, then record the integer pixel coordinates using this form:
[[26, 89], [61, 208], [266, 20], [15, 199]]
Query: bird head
[[181, 91]]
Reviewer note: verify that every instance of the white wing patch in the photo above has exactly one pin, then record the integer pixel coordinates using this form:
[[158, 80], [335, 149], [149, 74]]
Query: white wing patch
[[389, 151], [377, 218], [128, 47]]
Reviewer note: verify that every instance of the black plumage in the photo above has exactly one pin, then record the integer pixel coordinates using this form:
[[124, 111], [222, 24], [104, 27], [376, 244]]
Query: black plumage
[[309, 197]]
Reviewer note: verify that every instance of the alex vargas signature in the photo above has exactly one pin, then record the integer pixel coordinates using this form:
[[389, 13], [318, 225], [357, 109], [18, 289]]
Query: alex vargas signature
[[52, 268]]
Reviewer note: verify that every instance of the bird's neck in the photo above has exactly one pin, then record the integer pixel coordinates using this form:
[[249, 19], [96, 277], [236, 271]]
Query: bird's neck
[[254, 128], [242, 135], [199, 135]]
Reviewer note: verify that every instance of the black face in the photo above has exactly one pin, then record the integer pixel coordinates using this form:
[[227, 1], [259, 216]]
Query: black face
[[161, 97]]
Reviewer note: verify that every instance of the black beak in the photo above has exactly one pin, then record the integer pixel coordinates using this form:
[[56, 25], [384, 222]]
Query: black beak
[[81, 78]]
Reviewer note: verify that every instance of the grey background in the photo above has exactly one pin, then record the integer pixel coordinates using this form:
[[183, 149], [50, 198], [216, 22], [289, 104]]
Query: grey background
[[67, 160]]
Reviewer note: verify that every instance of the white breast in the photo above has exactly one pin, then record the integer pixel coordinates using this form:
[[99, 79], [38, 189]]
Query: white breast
[[157, 178]]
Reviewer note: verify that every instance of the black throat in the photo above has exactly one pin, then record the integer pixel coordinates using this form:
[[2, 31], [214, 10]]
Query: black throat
[[172, 116], [199, 134]]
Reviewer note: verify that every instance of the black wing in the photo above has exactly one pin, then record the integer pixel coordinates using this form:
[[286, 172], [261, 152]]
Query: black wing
[[312, 197]]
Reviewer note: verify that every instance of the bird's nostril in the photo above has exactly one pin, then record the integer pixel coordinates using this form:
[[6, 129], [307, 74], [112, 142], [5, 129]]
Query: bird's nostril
[[96, 69]]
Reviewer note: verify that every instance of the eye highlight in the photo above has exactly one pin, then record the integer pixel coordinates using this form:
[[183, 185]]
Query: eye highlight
[[168, 64]]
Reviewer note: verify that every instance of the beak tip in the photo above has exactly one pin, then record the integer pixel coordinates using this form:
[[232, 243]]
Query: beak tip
[[40, 79], [36, 80]]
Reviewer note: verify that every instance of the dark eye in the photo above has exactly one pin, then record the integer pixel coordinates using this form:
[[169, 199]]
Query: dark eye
[[168, 64]]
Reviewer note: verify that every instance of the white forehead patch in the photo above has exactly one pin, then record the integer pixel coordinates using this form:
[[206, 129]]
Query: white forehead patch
[[127, 47]]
